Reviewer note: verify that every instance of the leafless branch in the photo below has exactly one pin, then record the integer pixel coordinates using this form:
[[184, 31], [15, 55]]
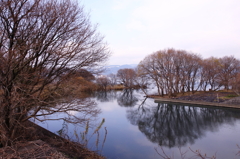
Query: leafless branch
[[41, 44]]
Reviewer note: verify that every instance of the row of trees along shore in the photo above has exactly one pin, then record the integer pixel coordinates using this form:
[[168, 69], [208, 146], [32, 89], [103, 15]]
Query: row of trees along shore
[[178, 71]]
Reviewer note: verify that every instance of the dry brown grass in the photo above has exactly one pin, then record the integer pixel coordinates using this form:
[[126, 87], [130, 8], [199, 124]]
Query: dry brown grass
[[31, 150], [115, 87], [39, 143], [222, 94]]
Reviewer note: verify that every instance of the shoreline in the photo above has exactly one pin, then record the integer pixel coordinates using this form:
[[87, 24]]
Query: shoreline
[[197, 103], [46, 144], [68, 148]]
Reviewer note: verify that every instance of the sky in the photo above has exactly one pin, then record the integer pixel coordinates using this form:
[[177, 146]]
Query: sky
[[134, 29]]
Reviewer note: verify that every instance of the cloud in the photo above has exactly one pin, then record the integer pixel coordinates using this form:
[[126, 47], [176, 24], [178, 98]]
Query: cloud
[[124, 4], [136, 25], [187, 23], [129, 54], [120, 4], [137, 28]]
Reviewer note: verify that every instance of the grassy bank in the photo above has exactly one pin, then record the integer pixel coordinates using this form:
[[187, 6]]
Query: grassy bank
[[41, 143], [223, 98]]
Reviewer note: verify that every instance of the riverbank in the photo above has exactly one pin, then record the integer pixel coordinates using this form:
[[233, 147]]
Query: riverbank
[[226, 99], [41, 143]]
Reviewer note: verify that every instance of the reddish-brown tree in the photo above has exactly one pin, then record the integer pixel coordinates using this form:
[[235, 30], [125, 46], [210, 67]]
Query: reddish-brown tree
[[39, 39], [103, 82], [172, 71], [126, 77], [228, 69]]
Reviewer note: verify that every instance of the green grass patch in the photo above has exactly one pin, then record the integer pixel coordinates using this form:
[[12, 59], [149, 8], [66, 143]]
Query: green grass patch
[[231, 96]]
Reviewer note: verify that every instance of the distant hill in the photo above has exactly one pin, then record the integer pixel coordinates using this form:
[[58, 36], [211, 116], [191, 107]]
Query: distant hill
[[114, 68]]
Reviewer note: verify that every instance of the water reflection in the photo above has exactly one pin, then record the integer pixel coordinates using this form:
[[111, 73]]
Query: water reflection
[[177, 125], [149, 124], [106, 96], [127, 98]]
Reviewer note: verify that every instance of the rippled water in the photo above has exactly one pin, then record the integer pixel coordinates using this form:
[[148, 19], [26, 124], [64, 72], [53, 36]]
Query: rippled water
[[139, 128]]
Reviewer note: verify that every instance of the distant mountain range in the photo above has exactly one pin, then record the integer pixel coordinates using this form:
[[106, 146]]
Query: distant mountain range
[[114, 68]]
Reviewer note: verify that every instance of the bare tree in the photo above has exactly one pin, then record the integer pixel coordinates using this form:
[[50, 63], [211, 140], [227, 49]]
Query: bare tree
[[228, 69], [127, 77], [218, 72], [192, 68], [235, 82], [147, 69], [113, 79], [210, 74], [38, 40], [142, 81], [172, 71], [103, 82]]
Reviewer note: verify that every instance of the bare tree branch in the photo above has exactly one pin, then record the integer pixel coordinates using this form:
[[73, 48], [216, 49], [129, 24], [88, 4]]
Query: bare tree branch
[[39, 40]]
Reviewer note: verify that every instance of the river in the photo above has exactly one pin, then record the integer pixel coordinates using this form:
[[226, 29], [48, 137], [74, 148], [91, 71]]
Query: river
[[136, 127]]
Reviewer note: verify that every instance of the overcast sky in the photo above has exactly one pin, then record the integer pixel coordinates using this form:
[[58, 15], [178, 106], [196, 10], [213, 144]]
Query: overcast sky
[[134, 29]]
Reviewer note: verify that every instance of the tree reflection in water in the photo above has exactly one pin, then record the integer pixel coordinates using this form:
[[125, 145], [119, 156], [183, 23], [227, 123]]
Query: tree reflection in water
[[106, 96], [177, 125], [127, 98]]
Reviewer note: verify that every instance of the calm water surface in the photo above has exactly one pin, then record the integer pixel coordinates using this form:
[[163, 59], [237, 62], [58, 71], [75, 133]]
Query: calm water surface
[[138, 128]]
